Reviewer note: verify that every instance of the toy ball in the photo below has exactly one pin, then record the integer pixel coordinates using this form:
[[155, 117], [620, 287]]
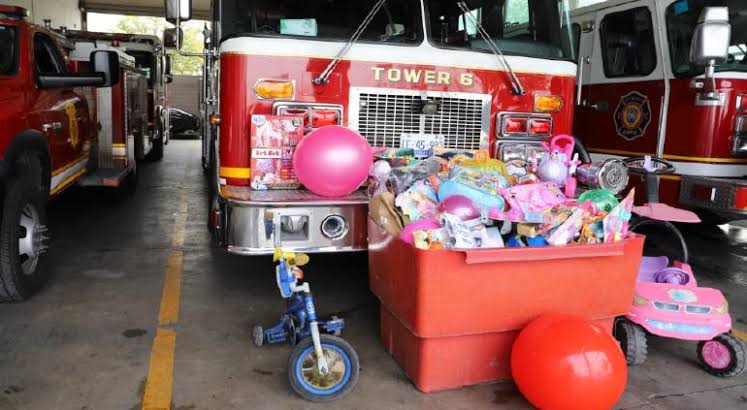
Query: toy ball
[[461, 206], [332, 161], [564, 362]]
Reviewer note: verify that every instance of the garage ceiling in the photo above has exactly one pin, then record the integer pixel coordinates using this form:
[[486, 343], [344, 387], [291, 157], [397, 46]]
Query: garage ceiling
[[200, 8]]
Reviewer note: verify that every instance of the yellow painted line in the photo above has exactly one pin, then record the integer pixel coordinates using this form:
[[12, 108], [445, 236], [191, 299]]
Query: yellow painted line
[[740, 334], [169, 313], [160, 384], [229, 172], [67, 182], [177, 238]]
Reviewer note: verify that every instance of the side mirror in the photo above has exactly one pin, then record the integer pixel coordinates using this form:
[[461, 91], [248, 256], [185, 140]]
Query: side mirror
[[106, 64], [173, 37], [178, 10], [711, 39]]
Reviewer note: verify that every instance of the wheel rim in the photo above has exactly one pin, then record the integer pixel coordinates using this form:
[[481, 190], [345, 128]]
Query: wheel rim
[[716, 354], [312, 380], [31, 238]]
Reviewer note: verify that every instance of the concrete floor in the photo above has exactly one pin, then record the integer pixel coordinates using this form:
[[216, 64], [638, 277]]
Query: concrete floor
[[84, 342]]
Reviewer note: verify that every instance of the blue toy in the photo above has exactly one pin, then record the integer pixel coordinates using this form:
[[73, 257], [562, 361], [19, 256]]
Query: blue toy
[[321, 368]]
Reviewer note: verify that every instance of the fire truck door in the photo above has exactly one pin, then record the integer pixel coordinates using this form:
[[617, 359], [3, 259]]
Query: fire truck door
[[626, 82], [63, 113]]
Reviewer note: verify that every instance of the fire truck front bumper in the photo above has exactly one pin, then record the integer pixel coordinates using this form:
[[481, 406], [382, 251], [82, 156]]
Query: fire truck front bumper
[[724, 196], [254, 222]]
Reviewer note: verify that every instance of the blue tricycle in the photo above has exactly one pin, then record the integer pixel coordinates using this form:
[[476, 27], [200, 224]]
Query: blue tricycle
[[322, 367]]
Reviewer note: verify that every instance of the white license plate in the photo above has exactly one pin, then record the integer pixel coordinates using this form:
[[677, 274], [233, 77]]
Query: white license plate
[[423, 144]]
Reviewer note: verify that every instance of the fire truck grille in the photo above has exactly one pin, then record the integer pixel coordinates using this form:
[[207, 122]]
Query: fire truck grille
[[384, 115]]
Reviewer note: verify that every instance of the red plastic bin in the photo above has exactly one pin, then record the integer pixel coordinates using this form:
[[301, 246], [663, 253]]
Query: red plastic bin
[[449, 318], [451, 362], [452, 293]]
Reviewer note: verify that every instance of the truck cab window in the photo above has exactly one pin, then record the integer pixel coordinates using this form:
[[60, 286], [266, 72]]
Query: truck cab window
[[534, 28], [47, 59], [627, 41], [8, 50], [397, 22], [681, 20]]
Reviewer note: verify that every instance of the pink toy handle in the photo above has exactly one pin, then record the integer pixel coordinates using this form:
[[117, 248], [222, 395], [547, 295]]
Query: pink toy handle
[[564, 144]]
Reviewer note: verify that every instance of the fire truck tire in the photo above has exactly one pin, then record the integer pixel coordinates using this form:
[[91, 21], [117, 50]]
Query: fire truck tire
[[712, 218], [156, 153], [23, 233]]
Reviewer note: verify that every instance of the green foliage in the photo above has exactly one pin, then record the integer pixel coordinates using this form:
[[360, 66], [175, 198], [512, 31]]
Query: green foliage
[[193, 41]]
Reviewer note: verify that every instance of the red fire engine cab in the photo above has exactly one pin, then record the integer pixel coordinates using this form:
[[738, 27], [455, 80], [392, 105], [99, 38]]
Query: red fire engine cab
[[46, 139], [390, 70], [644, 91]]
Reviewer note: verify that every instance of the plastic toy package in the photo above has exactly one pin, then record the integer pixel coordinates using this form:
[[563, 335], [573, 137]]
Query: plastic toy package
[[274, 139], [465, 200]]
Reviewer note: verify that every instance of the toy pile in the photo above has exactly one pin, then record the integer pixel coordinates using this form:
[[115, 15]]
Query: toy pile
[[457, 199]]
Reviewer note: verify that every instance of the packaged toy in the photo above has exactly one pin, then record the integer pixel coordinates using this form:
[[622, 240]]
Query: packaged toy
[[274, 140]]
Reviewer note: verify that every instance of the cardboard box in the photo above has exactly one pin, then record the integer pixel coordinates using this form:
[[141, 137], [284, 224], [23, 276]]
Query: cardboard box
[[274, 140]]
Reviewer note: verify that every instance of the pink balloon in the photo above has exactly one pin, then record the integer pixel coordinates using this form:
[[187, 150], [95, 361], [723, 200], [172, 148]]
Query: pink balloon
[[461, 206], [332, 161]]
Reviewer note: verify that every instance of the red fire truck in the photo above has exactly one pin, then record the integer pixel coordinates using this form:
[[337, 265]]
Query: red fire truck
[[150, 58], [46, 137], [488, 74], [645, 93]]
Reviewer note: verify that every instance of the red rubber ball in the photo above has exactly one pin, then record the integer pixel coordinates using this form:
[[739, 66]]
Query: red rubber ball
[[565, 362]]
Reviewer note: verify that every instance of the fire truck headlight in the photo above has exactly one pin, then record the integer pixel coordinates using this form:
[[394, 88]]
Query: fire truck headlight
[[547, 103], [275, 89], [742, 125]]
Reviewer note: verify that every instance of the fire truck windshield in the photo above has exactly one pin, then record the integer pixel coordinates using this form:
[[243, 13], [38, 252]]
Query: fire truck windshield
[[681, 20], [398, 22], [534, 28], [8, 50]]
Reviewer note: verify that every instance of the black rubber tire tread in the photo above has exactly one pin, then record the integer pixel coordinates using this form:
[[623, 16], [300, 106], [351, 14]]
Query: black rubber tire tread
[[736, 348], [632, 340], [325, 339], [156, 153], [24, 187]]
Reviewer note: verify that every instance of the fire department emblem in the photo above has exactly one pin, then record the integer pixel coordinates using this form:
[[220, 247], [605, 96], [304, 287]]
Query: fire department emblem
[[632, 116], [72, 118]]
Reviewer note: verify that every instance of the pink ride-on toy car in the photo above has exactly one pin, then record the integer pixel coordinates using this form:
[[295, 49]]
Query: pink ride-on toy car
[[668, 301]]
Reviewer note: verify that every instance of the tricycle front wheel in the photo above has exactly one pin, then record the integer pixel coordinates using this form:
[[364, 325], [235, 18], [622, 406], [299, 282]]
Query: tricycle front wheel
[[722, 356], [306, 379]]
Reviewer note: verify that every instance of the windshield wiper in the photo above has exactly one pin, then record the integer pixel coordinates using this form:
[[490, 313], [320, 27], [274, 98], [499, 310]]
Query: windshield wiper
[[516, 87], [323, 78]]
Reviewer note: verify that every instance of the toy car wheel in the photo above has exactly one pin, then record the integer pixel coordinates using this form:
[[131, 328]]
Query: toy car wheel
[[306, 379], [632, 340], [258, 336], [722, 356]]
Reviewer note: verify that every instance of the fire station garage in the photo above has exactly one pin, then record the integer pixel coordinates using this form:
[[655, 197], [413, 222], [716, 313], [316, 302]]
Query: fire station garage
[[496, 204]]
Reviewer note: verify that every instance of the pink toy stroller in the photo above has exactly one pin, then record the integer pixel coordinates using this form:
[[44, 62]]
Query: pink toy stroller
[[667, 300]]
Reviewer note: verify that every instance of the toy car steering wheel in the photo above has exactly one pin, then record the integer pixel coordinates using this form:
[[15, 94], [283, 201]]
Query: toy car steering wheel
[[636, 166]]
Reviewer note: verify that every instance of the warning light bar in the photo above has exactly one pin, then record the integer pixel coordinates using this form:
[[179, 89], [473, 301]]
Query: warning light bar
[[13, 12]]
